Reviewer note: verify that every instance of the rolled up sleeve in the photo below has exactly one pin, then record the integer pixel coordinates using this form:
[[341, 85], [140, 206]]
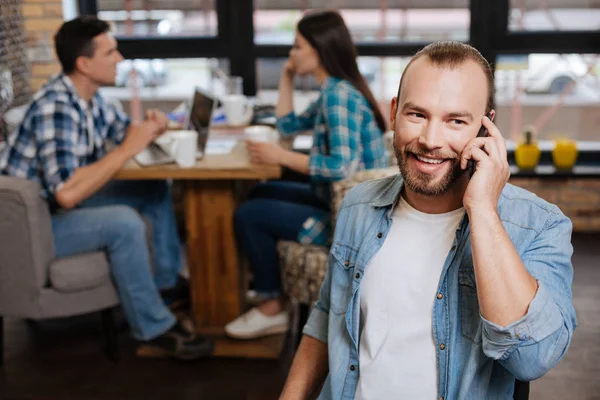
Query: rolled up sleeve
[[57, 136], [317, 325], [531, 346]]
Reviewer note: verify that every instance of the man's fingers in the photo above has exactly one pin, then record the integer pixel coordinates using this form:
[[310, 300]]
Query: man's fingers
[[495, 133], [466, 153]]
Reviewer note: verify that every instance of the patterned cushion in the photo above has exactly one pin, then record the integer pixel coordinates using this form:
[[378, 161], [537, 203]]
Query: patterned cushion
[[303, 266], [303, 270], [340, 188]]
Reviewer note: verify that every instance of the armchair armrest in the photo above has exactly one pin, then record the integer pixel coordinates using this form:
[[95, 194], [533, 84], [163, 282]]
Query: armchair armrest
[[26, 244]]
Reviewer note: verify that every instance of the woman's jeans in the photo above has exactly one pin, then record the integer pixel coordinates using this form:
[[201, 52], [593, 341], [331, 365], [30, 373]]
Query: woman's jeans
[[274, 211]]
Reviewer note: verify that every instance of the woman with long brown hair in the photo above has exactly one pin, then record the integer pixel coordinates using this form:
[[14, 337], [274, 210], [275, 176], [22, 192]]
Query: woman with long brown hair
[[348, 130]]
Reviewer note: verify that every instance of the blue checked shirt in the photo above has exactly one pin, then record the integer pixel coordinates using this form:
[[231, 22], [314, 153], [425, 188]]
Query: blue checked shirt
[[346, 139], [60, 133]]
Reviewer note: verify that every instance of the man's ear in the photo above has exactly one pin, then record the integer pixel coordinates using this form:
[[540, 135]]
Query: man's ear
[[82, 64], [492, 114], [393, 111]]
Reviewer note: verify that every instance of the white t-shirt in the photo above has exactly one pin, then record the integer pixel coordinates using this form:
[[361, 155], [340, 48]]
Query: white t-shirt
[[399, 287]]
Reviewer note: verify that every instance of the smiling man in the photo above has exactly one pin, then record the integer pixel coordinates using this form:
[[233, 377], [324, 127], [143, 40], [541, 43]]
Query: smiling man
[[440, 284]]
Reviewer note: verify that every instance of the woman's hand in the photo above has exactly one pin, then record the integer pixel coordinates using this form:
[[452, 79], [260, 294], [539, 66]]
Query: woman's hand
[[265, 153], [285, 102], [289, 70]]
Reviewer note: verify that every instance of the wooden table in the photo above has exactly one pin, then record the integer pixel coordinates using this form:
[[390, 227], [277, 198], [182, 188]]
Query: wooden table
[[215, 273]]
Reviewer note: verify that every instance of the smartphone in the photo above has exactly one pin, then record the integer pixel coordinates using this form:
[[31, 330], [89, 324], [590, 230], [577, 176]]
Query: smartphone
[[482, 133]]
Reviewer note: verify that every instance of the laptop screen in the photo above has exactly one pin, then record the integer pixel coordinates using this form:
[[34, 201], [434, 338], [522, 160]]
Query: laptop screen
[[200, 117]]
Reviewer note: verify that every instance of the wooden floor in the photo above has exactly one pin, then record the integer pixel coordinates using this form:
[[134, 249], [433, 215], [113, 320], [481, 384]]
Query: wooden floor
[[62, 360]]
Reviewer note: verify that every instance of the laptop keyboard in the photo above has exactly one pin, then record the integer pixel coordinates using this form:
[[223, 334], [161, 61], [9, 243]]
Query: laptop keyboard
[[153, 155]]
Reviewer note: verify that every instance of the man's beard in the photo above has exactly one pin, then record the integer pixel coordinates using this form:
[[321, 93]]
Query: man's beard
[[425, 184]]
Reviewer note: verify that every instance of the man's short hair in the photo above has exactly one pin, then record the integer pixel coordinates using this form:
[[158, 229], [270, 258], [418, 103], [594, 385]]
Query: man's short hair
[[75, 38], [453, 54]]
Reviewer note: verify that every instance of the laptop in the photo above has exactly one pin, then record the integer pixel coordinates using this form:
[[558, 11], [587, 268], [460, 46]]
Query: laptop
[[199, 119]]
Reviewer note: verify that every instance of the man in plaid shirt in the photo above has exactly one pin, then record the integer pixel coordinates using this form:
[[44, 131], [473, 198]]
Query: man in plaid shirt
[[62, 145]]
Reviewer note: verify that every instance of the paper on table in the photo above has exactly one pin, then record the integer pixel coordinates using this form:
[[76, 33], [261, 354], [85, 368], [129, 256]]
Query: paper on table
[[220, 146], [302, 142]]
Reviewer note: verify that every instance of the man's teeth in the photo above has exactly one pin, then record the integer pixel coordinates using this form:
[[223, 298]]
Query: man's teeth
[[429, 160]]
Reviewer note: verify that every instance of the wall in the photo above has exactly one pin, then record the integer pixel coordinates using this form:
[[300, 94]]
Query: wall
[[42, 20], [579, 198], [13, 58]]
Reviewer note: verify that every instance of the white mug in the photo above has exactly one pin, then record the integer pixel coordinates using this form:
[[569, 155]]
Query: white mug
[[261, 133], [238, 109], [182, 146]]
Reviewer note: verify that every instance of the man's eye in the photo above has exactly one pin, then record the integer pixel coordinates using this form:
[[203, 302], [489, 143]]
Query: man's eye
[[417, 115], [458, 122]]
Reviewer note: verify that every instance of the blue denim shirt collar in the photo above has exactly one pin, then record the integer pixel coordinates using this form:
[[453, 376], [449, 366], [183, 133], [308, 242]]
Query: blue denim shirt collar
[[390, 194]]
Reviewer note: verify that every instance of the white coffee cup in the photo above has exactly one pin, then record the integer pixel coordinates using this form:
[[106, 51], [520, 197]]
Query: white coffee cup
[[238, 109], [261, 133], [182, 146]]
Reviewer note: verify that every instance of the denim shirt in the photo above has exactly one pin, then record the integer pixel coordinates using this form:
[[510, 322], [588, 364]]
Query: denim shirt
[[478, 359]]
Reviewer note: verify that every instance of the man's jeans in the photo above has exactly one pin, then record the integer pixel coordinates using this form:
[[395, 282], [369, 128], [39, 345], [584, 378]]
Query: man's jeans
[[275, 211], [111, 221]]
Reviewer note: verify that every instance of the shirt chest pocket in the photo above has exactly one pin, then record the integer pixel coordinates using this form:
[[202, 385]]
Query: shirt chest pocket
[[343, 262], [470, 320]]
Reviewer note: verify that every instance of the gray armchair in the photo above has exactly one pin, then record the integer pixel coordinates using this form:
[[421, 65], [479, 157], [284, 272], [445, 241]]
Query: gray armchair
[[34, 284]]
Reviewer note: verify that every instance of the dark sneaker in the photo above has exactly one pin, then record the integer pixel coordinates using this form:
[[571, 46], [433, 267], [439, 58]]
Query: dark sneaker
[[178, 343], [178, 297]]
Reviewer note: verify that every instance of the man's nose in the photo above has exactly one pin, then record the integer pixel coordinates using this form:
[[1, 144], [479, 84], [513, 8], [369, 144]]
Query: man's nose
[[432, 136]]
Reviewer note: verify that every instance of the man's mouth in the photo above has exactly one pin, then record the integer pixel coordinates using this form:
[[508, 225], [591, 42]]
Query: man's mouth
[[429, 165], [429, 160]]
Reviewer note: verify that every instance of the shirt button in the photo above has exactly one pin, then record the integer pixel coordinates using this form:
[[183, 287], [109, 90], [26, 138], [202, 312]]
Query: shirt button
[[347, 263], [442, 347], [357, 276], [379, 235], [352, 368], [439, 296]]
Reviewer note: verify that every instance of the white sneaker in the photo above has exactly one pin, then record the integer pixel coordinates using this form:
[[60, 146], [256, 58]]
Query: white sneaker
[[254, 298], [255, 324]]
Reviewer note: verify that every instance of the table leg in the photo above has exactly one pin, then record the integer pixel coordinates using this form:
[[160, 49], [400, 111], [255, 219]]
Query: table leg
[[212, 255], [215, 273]]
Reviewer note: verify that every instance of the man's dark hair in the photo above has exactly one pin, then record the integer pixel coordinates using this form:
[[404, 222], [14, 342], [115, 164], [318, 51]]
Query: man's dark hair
[[75, 38]]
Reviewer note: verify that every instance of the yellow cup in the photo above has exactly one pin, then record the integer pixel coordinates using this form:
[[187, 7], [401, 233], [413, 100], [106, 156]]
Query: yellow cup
[[527, 156], [564, 154]]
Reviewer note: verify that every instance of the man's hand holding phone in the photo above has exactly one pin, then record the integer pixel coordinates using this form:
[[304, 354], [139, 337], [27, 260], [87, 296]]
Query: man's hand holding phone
[[491, 169]]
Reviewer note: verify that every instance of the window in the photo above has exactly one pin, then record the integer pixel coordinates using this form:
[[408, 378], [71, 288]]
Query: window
[[558, 94], [554, 15], [166, 79], [275, 20], [382, 74], [160, 18]]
